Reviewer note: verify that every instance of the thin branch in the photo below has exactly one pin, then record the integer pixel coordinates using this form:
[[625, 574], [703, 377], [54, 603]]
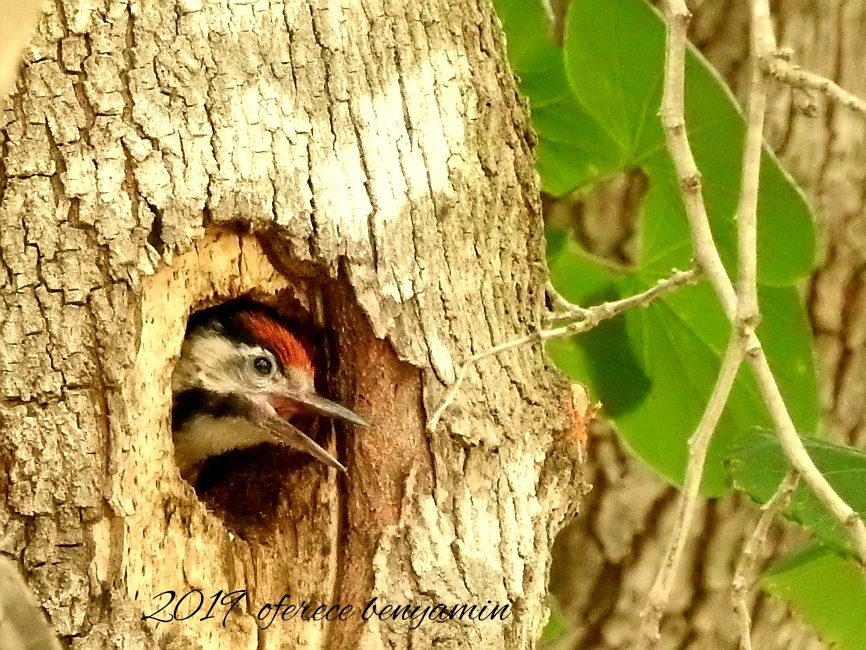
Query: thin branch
[[782, 70], [742, 311], [708, 259], [762, 40], [776, 63], [698, 445], [608, 310], [585, 319], [745, 571], [673, 120], [557, 301], [792, 446], [799, 458], [674, 124], [763, 43]]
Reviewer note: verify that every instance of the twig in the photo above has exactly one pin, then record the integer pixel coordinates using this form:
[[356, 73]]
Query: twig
[[674, 124], [698, 445], [793, 447], [776, 65], [763, 41], [556, 299], [799, 458], [709, 261], [743, 314], [707, 256], [585, 319], [745, 571], [608, 310]]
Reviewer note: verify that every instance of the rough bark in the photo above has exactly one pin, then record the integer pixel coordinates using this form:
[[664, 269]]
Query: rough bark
[[366, 168], [619, 543]]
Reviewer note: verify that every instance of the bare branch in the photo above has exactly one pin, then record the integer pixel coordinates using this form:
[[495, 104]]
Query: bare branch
[[585, 319], [748, 314], [742, 310], [763, 43], [673, 121], [709, 261], [557, 301], [799, 458], [698, 445], [782, 70], [608, 310], [776, 64], [793, 447], [745, 571]]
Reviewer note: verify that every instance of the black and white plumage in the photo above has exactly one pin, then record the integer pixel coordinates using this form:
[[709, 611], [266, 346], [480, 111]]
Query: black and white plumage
[[241, 377]]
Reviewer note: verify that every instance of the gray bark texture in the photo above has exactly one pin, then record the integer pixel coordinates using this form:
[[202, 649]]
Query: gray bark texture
[[364, 166], [625, 523]]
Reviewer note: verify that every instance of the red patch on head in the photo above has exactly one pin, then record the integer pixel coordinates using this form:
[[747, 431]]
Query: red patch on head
[[275, 337]]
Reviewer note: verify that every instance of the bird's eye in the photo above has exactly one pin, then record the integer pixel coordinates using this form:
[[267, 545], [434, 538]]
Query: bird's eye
[[263, 366]]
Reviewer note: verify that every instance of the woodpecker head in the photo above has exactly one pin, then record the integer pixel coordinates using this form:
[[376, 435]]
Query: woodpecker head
[[242, 375]]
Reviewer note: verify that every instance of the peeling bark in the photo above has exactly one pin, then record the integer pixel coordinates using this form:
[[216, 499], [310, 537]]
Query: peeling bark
[[364, 167]]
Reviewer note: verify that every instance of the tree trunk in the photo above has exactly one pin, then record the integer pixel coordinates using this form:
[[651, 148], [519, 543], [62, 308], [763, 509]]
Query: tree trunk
[[623, 528], [364, 167]]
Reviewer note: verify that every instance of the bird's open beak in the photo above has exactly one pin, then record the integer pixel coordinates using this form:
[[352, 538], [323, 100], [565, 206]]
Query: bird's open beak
[[272, 413], [290, 402]]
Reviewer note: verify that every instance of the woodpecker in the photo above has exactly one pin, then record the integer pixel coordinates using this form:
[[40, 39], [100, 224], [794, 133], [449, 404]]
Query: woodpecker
[[242, 375]]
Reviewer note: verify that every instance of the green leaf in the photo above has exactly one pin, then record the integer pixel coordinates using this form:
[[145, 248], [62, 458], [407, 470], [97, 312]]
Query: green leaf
[[614, 61], [557, 625], [603, 357], [573, 272], [655, 374], [827, 591], [757, 467], [572, 148], [614, 54], [594, 107], [527, 28]]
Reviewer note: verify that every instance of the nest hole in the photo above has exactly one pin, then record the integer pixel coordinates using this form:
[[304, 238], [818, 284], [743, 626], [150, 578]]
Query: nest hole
[[260, 490]]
